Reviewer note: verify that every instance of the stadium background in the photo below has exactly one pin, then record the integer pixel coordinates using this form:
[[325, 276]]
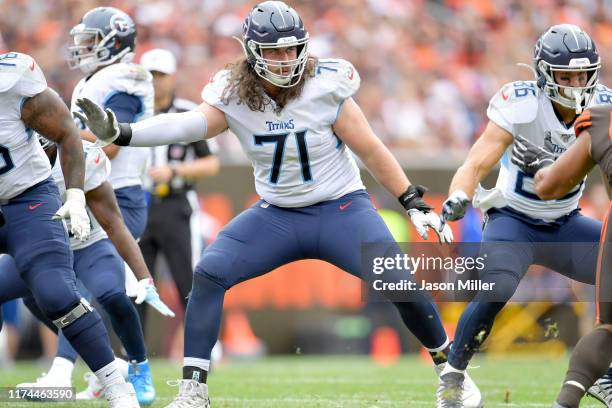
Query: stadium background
[[428, 69]]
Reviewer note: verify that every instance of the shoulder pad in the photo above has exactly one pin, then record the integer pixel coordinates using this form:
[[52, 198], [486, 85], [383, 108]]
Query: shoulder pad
[[13, 66], [516, 102], [213, 90], [340, 74]]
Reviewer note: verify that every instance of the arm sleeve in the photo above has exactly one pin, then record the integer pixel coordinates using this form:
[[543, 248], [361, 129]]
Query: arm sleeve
[[165, 129], [126, 107]]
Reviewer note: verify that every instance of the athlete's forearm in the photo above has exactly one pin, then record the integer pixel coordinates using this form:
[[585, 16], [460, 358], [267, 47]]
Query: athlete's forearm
[[164, 129], [386, 170], [466, 179], [128, 249]]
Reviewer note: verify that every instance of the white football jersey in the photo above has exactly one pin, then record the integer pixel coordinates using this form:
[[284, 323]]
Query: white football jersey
[[521, 109], [297, 158], [23, 162], [97, 170], [130, 163]]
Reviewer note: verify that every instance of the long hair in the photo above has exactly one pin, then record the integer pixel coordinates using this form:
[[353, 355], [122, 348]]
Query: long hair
[[245, 85]]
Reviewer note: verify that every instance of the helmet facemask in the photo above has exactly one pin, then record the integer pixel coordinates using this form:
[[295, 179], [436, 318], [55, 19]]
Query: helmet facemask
[[265, 67], [91, 49], [573, 97]]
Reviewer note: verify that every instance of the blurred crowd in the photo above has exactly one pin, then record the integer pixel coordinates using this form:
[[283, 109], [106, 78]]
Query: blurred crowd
[[428, 68]]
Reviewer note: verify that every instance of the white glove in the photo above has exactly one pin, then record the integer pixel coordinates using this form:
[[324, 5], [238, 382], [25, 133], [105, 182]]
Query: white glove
[[74, 210], [146, 292], [444, 232], [102, 123]]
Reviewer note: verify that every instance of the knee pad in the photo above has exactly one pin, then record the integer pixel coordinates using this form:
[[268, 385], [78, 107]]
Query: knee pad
[[77, 311]]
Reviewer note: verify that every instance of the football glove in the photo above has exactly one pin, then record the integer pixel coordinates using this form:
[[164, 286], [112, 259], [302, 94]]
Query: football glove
[[422, 216], [146, 292], [102, 123], [454, 207], [74, 210], [529, 157]]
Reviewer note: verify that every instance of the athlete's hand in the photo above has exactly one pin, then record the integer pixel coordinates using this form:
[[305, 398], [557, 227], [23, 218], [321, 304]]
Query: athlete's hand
[[74, 210], [454, 207], [529, 157], [102, 123], [146, 292]]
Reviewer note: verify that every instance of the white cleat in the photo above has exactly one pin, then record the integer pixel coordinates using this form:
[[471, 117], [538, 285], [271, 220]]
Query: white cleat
[[192, 394], [94, 388], [602, 390], [471, 397], [46, 381], [121, 395]]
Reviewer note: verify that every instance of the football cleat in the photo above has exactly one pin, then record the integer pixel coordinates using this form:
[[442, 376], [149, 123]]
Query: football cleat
[[139, 374], [121, 395], [471, 394], [450, 391], [602, 390], [46, 380], [94, 388], [192, 394]]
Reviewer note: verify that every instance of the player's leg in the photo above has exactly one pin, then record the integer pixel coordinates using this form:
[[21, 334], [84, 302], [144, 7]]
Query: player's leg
[[350, 222], [257, 241], [592, 355], [100, 268], [508, 256], [149, 245], [133, 207], [344, 230], [44, 260]]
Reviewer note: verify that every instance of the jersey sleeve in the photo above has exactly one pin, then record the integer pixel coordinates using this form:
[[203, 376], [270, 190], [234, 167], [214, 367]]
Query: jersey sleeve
[[213, 91], [341, 76], [97, 166], [515, 103], [126, 107], [21, 74]]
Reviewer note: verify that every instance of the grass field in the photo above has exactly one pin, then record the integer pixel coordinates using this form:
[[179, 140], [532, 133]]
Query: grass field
[[347, 382]]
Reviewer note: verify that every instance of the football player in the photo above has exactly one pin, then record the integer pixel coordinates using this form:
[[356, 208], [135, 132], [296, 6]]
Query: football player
[[553, 179], [542, 112], [296, 120], [99, 267], [30, 199]]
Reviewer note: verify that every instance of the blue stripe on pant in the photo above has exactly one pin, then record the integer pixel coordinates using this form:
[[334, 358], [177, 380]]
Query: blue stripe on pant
[[513, 242], [265, 237]]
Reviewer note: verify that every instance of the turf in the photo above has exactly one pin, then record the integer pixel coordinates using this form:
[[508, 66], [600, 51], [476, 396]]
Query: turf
[[305, 382]]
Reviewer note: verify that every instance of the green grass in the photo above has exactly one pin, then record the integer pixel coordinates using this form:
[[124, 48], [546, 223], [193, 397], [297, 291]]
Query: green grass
[[347, 382]]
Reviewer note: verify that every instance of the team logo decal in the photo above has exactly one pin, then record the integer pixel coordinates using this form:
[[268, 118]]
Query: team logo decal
[[120, 24]]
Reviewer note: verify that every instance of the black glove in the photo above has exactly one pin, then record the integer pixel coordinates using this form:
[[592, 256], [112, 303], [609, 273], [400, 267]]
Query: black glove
[[413, 199], [529, 157]]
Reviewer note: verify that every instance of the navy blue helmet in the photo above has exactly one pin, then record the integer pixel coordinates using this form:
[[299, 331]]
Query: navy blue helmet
[[104, 35], [565, 47], [273, 24]]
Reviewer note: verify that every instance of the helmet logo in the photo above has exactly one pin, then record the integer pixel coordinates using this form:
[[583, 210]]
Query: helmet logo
[[119, 23], [578, 62]]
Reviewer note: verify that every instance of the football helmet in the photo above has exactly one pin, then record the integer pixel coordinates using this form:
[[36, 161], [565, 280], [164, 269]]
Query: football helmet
[[104, 35], [565, 47], [273, 24]]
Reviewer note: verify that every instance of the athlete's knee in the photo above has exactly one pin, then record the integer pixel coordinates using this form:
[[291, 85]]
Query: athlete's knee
[[114, 301], [66, 317], [217, 267], [110, 296], [502, 286]]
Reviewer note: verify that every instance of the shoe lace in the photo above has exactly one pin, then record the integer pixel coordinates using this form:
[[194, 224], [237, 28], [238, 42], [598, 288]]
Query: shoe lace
[[187, 391]]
